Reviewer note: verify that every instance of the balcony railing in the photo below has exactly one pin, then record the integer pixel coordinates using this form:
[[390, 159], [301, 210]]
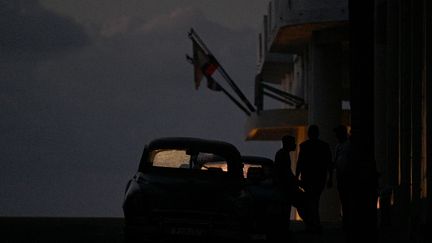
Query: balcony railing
[[297, 12]]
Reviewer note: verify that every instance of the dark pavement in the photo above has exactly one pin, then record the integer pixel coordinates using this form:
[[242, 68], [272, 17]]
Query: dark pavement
[[111, 230]]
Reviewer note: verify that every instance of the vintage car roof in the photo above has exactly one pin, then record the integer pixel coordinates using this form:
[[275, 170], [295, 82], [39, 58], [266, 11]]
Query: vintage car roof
[[256, 160], [204, 145]]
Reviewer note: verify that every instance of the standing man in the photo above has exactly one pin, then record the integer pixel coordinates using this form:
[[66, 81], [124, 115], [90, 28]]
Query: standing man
[[342, 155], [283, 174], [314, 162], [284, 179]]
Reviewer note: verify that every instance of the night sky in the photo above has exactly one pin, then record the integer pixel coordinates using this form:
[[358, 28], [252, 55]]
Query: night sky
[[85, 84]]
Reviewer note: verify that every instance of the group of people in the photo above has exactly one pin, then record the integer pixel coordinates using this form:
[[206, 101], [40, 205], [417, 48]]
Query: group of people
[[313, 172]]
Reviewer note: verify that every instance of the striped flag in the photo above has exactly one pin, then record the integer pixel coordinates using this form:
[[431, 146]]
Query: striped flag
[[205, 65], [213, 85]]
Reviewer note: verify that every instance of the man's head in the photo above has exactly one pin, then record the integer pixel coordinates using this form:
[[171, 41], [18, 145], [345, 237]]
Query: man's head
[[313, 132], [341, 133], [288, 142]]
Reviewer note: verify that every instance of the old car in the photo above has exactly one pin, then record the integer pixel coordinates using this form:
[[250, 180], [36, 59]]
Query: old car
[[189, 188], [271, 205], [261, 167]]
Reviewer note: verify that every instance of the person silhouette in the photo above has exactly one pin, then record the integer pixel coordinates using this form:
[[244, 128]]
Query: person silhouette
[[283, 174], [313, 164], [284, 178], [341, 163]]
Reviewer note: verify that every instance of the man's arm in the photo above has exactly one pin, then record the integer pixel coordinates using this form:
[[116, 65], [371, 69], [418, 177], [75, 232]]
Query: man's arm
[[299, 162], [330, 167]]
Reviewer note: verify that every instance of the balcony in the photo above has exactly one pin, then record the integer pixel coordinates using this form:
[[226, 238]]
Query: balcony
[[273, 124], [289, 24]]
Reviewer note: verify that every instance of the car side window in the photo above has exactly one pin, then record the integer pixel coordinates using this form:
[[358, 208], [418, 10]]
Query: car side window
[[170, 158], [211, 162]]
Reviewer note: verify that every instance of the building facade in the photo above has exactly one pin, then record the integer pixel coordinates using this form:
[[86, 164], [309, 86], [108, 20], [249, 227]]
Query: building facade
[[368, 67], [303, 51]]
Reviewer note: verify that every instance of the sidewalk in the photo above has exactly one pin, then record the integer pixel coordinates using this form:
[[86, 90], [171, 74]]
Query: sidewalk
[[332, 233]]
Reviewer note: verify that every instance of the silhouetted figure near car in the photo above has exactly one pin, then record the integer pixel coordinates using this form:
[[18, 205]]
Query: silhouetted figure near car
[[314, 161], [283, 174], [284, 177], [342, 164]]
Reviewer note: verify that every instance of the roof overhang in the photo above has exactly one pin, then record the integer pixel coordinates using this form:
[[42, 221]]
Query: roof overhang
[[273, 124], [293, 39]]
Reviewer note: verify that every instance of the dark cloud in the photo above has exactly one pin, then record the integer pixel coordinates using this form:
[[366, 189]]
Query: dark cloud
[[232, 14], [27, 27], [73, 126]]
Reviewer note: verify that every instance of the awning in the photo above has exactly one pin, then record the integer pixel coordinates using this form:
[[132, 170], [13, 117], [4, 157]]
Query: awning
[[273, 124]]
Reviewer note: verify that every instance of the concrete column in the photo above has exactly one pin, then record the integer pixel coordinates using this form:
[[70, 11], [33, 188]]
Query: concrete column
[[390, 174], [404, 195], [428, 81], [325, 107]]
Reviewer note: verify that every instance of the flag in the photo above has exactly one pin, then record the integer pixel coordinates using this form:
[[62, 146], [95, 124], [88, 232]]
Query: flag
[[213, 85], [204, 64]]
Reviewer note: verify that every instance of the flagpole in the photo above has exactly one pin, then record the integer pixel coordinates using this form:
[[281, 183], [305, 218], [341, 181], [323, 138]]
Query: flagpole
[[194, 35], [235, 101], [291, 97]]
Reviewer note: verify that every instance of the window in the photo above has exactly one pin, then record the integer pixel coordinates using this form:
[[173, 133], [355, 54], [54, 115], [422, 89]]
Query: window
[[173, 158], [170, 158]]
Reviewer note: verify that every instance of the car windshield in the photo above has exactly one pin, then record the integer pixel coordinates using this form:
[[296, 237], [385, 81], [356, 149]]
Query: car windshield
[[177, 158], [246, 169], [255, 169]]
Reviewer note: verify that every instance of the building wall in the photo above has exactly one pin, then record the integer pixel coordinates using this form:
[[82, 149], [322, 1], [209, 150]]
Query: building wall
[[395, 107], [402, 109]]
